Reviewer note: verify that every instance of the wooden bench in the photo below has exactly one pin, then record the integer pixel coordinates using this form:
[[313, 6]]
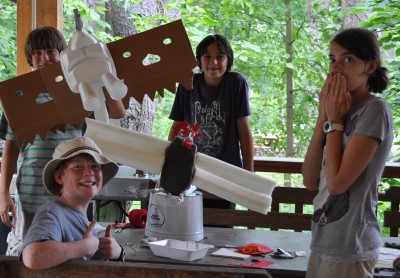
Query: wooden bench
[[299, 220], [11, 267]]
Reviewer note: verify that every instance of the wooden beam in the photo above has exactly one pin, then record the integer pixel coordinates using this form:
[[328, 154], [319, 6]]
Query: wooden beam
[[24, 26], [278, 165], [48, 13]]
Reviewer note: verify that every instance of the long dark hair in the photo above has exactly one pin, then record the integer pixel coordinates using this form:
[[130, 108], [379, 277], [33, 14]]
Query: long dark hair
[[223, 46], [364, 45]]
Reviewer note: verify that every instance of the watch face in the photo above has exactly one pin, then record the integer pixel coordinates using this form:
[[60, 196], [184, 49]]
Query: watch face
[[327, 126]]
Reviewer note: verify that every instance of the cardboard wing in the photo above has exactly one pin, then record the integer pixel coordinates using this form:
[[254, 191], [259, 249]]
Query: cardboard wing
[[27, 115], [147, 153], [175, 63]]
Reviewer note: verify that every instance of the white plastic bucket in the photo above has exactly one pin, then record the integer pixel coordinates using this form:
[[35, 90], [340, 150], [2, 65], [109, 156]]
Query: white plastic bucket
[[183, 221]]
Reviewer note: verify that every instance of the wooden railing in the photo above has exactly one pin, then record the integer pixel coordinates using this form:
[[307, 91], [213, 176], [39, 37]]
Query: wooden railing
[[293, 165], [276, 219], [299, 220]]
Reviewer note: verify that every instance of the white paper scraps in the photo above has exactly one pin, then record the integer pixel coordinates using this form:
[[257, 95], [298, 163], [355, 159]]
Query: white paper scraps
[[229, 253]]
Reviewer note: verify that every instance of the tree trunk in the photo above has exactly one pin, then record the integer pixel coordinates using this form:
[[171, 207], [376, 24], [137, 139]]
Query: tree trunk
[[352, 20], [139, 116], [289, 84], [120, 18], [289, 90]]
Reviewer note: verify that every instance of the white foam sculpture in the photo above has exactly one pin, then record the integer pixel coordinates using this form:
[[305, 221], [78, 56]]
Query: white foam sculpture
[[146, 152], [88, 66]]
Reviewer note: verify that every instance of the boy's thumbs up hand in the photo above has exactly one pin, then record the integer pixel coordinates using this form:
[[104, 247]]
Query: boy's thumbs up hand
[[108, 231], [108, 246]]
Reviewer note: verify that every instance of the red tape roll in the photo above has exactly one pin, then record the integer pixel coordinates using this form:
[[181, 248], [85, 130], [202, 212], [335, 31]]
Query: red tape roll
[[138, 218]]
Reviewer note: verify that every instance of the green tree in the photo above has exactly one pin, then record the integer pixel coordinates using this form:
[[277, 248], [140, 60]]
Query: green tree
[[256, 30], [384, 19], [8, 29]]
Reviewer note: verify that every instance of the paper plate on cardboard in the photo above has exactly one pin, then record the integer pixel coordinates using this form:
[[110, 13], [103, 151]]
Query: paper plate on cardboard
[[179, 250]]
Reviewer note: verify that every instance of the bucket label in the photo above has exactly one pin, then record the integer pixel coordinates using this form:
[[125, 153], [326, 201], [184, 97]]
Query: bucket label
[[157, 218]]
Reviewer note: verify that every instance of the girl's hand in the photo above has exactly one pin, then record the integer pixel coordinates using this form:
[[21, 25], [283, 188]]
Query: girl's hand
[[338, 100], [322, 98]]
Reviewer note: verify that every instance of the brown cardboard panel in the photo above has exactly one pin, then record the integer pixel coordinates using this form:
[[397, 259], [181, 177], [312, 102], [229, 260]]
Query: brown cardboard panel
[[169, 43], [26, 117], [68, 104]]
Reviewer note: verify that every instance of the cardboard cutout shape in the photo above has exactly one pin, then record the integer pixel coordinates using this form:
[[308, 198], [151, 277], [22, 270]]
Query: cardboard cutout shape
[[175, 63], [26, 117]]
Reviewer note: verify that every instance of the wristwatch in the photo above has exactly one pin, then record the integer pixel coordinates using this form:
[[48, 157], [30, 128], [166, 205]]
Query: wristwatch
[[329, 127], [121, 257]]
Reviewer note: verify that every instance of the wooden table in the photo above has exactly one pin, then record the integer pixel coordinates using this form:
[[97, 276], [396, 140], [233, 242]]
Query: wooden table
[[222, 236], [219, 237]]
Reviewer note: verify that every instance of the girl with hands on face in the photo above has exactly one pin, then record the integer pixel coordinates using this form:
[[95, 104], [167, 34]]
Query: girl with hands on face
[[348, 151]]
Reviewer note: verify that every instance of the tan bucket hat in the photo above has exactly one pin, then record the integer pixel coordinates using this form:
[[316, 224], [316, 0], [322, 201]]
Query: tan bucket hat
[[71, 148]]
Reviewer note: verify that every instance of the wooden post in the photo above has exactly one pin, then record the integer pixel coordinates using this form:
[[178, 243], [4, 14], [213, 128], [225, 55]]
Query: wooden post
[[48, 13]]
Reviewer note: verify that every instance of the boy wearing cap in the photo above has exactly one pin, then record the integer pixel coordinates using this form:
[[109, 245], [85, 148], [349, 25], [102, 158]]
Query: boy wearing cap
[[60, 230]]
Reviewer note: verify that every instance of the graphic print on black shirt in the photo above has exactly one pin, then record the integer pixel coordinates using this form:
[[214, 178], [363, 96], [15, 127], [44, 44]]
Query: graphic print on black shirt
[[211, 117]]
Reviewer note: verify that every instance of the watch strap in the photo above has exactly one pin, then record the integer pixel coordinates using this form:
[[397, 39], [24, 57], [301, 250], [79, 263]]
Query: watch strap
[[121, 257], [329, 127], [338, 127]]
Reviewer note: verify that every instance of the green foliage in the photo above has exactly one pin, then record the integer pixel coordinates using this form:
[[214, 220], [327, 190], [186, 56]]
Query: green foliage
[[92, 18], [384, 19], [8, 32], [256, 30]]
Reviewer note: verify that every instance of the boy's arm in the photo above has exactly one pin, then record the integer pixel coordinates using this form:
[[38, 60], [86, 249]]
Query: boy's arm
[[311, 167], [49, 253], [8, 163], [115, 108], [171, 134], [246, 143]]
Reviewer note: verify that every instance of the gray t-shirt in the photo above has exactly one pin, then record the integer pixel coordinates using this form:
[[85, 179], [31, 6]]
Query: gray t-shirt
[[346, 226], [57, 221]]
